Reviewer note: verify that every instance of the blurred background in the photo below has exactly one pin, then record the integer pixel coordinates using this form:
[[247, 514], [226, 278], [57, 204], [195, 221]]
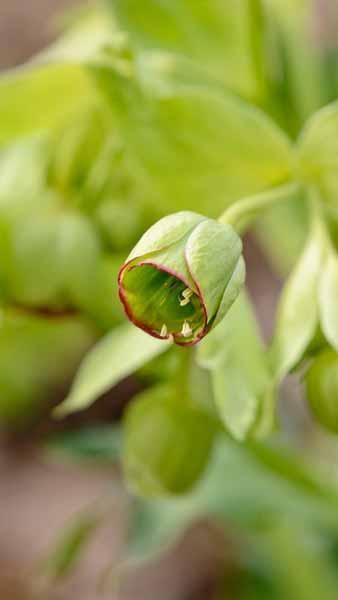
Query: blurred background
[[37, 497], [54, 473]]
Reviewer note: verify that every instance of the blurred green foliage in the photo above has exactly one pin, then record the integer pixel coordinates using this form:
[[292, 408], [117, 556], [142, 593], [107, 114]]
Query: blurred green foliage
[[136, 111], [38, 356]]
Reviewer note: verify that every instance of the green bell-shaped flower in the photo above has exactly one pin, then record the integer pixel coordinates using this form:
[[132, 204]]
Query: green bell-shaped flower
[[182, 277]]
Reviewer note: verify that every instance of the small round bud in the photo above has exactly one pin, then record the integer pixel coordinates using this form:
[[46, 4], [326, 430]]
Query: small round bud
[[322, 389], [182, 277], [167, 443]]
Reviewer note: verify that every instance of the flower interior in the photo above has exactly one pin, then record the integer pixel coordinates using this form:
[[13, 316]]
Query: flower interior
[[162, 304]]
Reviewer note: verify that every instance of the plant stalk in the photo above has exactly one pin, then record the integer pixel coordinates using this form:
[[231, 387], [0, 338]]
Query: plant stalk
[[241, 214]]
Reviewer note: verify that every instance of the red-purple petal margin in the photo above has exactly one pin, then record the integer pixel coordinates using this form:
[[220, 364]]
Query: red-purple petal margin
[[143, 326]]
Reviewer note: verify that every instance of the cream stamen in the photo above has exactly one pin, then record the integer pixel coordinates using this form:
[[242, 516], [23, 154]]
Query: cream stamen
[[164, 331], [186, 297], [186, 329]]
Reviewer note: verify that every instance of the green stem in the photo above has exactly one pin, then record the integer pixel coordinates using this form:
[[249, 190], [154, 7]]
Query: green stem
[[182, 378], [241, 214]]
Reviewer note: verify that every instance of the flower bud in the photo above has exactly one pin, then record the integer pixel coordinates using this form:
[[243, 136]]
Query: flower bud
[[182, 277], [322, 389], [174, 456]]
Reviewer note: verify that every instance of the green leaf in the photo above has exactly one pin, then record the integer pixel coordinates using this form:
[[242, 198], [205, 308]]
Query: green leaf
[[48, 256], [94, 289], [115, 356], [78, 150], [236, 403], [301, 82], [167, 443], [318, 152], [40, 98], [188, 139], [214, 34], [79, 250], [242, 384], [265, 418], [46, 92], [35, 271], [120, 222], [38, 354], [328, 295], [22, 172], [297, 317]]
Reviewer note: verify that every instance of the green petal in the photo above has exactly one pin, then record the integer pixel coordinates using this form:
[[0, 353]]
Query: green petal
[[165, 232], [212, 253], [152, 297], [231, 291]]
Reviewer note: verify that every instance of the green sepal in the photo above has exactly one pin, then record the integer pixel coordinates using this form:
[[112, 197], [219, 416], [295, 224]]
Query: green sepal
[[165, 232], [212, 254]]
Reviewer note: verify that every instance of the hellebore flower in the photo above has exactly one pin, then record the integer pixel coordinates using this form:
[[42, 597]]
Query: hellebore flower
[[182, 277]]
